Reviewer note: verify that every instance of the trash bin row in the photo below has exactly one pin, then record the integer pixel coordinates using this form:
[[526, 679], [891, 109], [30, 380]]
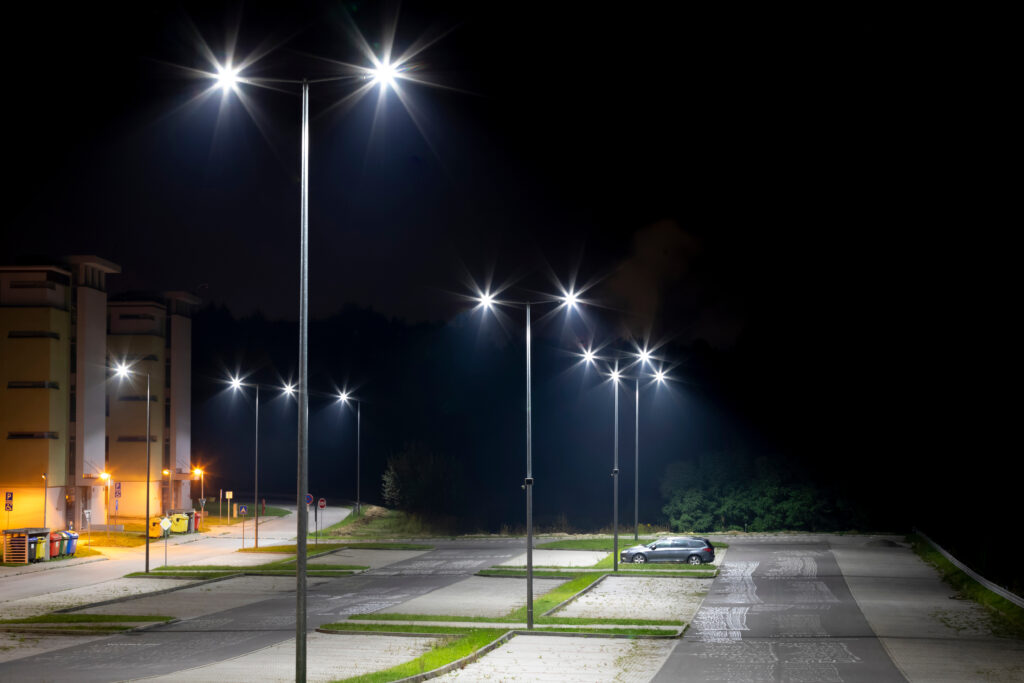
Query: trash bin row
[[181, 523], [62, 544]]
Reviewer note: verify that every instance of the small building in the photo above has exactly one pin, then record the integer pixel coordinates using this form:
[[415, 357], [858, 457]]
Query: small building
[[72, 435]]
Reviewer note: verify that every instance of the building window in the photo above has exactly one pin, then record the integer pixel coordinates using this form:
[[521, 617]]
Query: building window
[[33, 435], [136, 357], [136, 439], [32, 334], [136, 316], [33, 385], [152, 398]]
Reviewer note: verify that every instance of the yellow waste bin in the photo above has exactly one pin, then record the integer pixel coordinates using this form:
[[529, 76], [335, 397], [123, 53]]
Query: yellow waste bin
[[179, 523], [155, 530]]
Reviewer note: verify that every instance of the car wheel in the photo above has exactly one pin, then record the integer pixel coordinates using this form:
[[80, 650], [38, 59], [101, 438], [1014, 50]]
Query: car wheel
[[639, 558], [694, 559]]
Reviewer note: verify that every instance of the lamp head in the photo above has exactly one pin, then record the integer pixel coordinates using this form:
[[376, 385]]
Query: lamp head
[[571, 299], [384, 74], [288, 389], [589, 356], [167, 471], [198, 472], [104, 476], [644, 355], [659, 376], [343, 396], [227, 78], [615, 375], [486, 300], [236, 383], [121, 370]]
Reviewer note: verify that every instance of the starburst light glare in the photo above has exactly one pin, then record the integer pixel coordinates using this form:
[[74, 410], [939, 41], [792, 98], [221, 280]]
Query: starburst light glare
[[121, 370], [615, 375], [289, 389], [589, 356], [384, 74], [644, 355], [227, 78], [486, 300], [236, 383], [343, 396], [571, 298], [659, 376]]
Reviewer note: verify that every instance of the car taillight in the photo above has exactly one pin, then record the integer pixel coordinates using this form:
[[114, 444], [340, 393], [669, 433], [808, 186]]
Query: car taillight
[[709, 550]]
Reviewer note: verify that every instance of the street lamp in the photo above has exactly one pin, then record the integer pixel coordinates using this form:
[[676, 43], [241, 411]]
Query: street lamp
[[569, 300], [237, 385], [382, 73], [198, 472], [345, 397], [122, 371], [643, 358], [44, 500]]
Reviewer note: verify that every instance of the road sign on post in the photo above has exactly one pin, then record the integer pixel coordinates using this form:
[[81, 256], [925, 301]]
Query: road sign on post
[[322, 503], [165, 524], [309, 499], [117, 489], [242, 509]]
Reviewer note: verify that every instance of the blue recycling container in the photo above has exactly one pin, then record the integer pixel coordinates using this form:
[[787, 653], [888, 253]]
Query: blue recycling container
[[73, 543]]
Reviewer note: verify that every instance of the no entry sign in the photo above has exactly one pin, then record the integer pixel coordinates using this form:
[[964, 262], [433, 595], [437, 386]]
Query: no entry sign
[[322, 503]]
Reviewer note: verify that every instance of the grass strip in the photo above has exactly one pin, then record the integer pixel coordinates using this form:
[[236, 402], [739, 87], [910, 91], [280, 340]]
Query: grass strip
[[192, 576], [327, 547], [557, 595], [443, 653], [510, 620], [83, 618], [606, 543], [1007, 618]]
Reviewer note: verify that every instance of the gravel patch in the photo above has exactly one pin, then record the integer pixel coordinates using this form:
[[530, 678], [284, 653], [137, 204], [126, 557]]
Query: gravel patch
[[18, 645], [622, 597], [568, 660], [210, 598], [108, 590], [328, 657], [367, 558], [477, 596], [559, 558]]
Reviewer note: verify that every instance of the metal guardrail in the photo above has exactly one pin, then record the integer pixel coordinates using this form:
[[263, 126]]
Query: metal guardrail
[[995, 588]]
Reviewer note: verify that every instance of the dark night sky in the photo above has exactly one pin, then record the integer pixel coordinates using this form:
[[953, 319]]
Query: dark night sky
[[787, 182]]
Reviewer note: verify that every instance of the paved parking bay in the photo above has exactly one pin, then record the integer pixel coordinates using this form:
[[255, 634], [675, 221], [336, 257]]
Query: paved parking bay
[[558, 558], [374, 559], [328, 658], [639, 597], [477, 596], [567, 660]]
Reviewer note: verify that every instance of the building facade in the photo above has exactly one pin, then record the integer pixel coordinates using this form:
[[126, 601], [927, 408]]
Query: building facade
[[73, 434]]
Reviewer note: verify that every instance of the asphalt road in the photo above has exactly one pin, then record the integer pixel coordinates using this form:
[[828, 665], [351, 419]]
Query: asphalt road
[[779, 611], [234, 632]]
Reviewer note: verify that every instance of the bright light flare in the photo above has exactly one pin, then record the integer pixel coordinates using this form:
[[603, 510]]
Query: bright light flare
[[343, 396], [384, 74], [227, 77], [615, 375], [486, 299], [197, 472], [571, 299], [288, 389], [644, 355], [660, 377], [167, 471], [236, 383], [121, 370], [104, 475]]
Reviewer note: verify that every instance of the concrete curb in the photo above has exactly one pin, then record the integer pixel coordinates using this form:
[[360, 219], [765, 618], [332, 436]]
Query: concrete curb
[[995, 588], [36, 568], [401, 634], [126, 598], [566, 602]]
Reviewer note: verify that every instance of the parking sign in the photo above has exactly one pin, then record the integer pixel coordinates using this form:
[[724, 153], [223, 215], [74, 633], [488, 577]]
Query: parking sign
[[117, 489]]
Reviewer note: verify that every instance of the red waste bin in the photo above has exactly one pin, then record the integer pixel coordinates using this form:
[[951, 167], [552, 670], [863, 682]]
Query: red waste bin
[[55, 539]]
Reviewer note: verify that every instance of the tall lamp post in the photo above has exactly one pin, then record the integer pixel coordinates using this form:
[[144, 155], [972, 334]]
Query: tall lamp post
[[569, 300], [237, 385], [122, 371], [345, 397], [383, 74]]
